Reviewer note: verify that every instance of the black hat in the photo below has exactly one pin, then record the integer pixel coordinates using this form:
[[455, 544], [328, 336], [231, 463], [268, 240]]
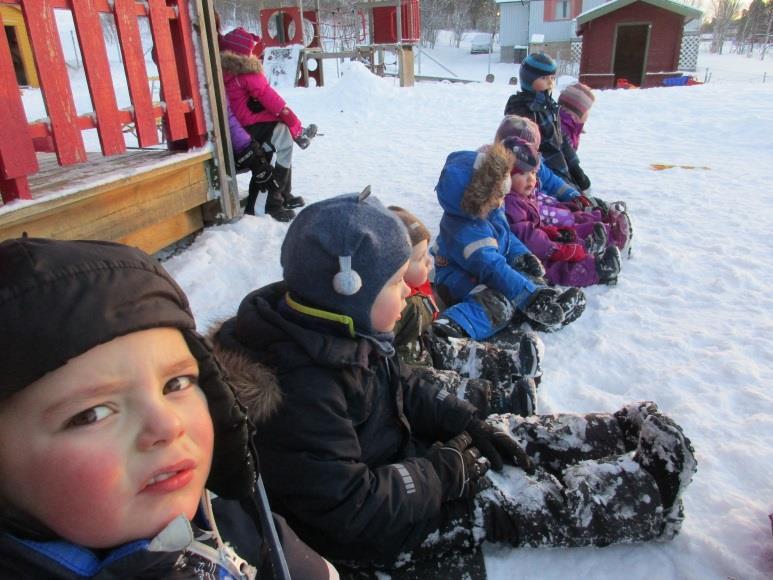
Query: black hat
[[59, 299]]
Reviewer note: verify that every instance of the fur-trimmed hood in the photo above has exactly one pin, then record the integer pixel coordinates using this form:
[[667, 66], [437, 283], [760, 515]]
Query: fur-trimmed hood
[[237, 64], [255, 384], [473, 183]]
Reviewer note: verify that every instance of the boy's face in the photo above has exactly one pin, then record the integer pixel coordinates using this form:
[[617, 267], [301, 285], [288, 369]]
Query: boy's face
[[544, 83], [524, 183], [419, 265], [390, 302], [111, 446]]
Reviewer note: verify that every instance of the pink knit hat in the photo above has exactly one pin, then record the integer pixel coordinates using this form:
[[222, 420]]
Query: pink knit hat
[[515, 126], [577, 98], [238, 41]]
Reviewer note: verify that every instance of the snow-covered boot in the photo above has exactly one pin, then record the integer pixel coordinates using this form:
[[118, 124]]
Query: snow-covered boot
[[621, 228], [523, 398], [631, 418], [555, 441], [543, 309], [668, 455], [608, 266], [567, 510], [445, 327], [596, 243]]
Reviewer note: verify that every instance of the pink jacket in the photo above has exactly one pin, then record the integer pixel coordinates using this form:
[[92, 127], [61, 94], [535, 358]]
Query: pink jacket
[[244, 79]]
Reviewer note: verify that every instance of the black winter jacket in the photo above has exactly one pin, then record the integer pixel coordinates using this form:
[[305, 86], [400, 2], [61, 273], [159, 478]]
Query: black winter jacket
[[341, 432], [557, 152]]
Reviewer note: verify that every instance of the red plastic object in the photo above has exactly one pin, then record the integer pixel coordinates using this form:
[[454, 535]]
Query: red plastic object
[[385, 23]]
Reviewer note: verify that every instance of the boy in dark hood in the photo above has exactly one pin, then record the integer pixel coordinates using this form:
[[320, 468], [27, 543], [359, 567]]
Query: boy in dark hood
[[115, 421]]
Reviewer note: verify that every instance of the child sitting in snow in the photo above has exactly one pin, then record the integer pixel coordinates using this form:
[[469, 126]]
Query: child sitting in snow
[[493, 378], [568, 261], [265, 115], [537, 75], [372, 466], [574, 104], [561, 207], [483, 271], [114, 416]]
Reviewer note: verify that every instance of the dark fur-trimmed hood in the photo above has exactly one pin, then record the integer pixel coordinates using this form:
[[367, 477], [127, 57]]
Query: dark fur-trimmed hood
[[256, 385], [473, 183], [237, 64]]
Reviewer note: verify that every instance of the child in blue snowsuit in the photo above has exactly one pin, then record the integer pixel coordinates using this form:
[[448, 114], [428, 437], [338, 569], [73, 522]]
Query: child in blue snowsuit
[[482, 269]]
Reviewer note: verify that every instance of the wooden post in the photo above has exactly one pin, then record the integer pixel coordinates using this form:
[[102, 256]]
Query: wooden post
[[405, 56], [224, 174]]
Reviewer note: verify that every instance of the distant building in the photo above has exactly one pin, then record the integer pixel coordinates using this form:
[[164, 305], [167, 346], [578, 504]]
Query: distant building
[[551, 26]]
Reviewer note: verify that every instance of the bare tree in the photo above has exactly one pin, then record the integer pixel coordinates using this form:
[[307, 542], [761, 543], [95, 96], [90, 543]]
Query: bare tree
[[724, 13], [434, 16], [460, 20]]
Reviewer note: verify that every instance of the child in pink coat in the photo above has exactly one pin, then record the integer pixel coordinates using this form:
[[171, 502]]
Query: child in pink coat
[[264, 114]]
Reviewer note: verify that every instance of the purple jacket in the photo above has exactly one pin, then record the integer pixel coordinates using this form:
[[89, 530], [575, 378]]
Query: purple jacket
[[240, 139], [571, 128], [524, 219]]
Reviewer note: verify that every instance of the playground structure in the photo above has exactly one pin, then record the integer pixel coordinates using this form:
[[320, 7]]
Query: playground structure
[[368, 33], [177, 172]]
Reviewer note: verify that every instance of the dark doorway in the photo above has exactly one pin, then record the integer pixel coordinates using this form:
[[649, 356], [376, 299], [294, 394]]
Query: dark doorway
[[631, 52], [18, 65]]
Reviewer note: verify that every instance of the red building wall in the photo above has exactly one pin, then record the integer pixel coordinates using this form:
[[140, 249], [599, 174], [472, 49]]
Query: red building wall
[[598, 44]]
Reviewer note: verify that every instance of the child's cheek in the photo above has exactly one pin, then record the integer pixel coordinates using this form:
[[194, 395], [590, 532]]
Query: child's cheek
[[92, 485]]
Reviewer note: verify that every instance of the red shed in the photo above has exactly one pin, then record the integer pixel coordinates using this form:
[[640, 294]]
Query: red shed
[[636, 40]]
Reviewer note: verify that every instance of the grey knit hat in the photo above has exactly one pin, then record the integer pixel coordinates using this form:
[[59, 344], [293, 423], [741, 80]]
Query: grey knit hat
[[339, 253]]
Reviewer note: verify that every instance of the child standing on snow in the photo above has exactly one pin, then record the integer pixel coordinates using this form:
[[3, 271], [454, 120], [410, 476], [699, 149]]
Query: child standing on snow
[[574, 105], [482, 270], [372, 466], [493, 378], [568, 261], [265, 115], [537, 74], [114, 416]]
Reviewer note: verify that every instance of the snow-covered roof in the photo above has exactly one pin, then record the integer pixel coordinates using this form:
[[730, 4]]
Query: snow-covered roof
[[687, 11]]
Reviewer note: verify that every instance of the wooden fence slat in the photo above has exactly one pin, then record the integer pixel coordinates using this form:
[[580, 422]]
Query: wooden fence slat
[[17, 155], [54, 82], [88, 27], [167, 71], [189, 82], [136, 72]]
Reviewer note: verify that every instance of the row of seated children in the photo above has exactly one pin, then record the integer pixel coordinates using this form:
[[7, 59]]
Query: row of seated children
[[374, 466], [577, 237], [261, 125], [113, 428]]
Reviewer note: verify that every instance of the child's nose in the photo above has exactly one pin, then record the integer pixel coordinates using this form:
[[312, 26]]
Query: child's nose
[[161, 424]]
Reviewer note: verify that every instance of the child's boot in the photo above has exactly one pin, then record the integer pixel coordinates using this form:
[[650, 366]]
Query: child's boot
[[608, 266], [543, 309], [669, 457], [308, 133], [445, 327], [523, 397], [631, 418], [572, 301], [597, 241]]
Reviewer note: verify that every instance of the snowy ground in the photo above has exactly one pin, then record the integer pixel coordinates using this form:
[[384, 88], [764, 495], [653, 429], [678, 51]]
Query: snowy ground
[[690, 324]]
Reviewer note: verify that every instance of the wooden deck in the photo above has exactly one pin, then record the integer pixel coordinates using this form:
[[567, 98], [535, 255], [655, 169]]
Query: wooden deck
[[147, 198]]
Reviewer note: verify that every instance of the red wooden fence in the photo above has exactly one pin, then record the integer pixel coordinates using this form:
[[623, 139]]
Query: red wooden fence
[[181, 106]]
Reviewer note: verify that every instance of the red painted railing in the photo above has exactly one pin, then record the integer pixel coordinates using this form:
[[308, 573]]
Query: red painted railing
[[181, 106]]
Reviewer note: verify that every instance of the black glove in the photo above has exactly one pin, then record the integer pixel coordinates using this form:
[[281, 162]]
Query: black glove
[[460, 467], [566, 236], [255, 105], [579, 177], [529, 264], [256, 159], [495, 444], [543, 308]]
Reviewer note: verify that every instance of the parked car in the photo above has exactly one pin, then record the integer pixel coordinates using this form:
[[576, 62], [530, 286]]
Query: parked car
[[481, 44]]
